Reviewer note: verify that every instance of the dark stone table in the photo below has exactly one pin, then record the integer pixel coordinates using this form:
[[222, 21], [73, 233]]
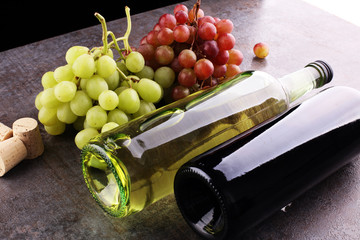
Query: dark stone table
[[46, 198]]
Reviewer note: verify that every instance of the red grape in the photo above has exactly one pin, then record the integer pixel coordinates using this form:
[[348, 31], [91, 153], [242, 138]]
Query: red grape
[[180, 92], [143, 40], [232, 70], [235, 57], [207, 31], [219, 71], [180, 7], [210, 49], [204, 19], [165, 36], [164, 54], [175, 65], [151, 38], [187, 77], [157, 27], [222, 57], [187, 58], [181, 33], [224, 26], [203, 69], [181, 17], [147, 50], [167, 20], [226, 41]]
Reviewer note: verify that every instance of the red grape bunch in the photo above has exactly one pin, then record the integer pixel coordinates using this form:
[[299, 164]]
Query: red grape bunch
[[189, 51]]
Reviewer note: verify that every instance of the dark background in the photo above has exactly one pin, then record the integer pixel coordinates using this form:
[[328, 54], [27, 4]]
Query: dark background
[[27, 22]]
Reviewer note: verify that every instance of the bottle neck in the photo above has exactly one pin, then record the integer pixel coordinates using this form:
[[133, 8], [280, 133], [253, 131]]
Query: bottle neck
[[314, 75]]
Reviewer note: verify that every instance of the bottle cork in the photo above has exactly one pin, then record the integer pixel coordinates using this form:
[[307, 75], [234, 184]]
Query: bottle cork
[[5, 132], [12, 151], [27, 130]]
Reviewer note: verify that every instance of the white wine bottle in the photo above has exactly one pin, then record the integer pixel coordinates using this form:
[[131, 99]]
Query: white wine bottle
[[134, 165], [229, 189]]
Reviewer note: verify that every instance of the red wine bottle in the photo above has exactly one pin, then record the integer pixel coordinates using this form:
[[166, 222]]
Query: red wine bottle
[[238, 184]]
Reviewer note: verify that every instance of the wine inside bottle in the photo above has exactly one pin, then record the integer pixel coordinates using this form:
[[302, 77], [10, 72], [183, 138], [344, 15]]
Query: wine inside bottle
[[229, 189], [134, 165]]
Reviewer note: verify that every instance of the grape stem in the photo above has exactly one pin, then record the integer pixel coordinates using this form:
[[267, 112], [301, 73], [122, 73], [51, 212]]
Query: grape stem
[[104, 32], [115, 40]]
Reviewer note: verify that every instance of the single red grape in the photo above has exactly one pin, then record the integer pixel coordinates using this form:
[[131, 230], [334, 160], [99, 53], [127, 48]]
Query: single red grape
[[181, 17], [181, 33], [235, 57], [164, 54], [222, 57], [210, 49], [180, 7], [187, 77], [147, 50], [226, 41], [232, 70], [180, 92], [219, 71], [165, 36], [167, 20], [224, 26], [203, 69], [187, 58], [152, 39], [207, 31]]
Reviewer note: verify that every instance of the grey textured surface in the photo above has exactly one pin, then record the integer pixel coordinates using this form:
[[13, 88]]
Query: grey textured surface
[[46, 198]]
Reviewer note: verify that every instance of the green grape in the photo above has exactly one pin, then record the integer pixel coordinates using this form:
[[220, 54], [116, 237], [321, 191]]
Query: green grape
[[86, 125], [64, 113], [122, 66], [164, 76], [96, 117], [135, 62], [96, 85], [108, 100], [117, 116], [113, 81], [84, 66], [108, 126], [145, 107], [79, 124], [84, 136], [74, 52], [120, 89], [47, 116], [48, 99], [48, 80], [105, 66], [81, 103], [146, 72], [55, 129], [129, 101], [65, 91], [38, 104], [64, 73], [149, 90], [83, 82]]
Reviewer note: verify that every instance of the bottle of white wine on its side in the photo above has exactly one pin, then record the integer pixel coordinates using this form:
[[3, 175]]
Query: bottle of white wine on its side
[[134, 165]]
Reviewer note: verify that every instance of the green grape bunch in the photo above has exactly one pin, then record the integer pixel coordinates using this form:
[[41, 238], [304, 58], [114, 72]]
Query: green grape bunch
[[96, 92]]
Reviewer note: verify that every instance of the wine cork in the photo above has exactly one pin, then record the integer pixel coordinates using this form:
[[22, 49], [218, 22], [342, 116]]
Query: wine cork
[[5, 132], [12, 151], [27, 130]]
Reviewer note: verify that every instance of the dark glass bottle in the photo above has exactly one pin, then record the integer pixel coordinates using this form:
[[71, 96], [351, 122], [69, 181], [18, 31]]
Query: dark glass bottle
[[232, 187]]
